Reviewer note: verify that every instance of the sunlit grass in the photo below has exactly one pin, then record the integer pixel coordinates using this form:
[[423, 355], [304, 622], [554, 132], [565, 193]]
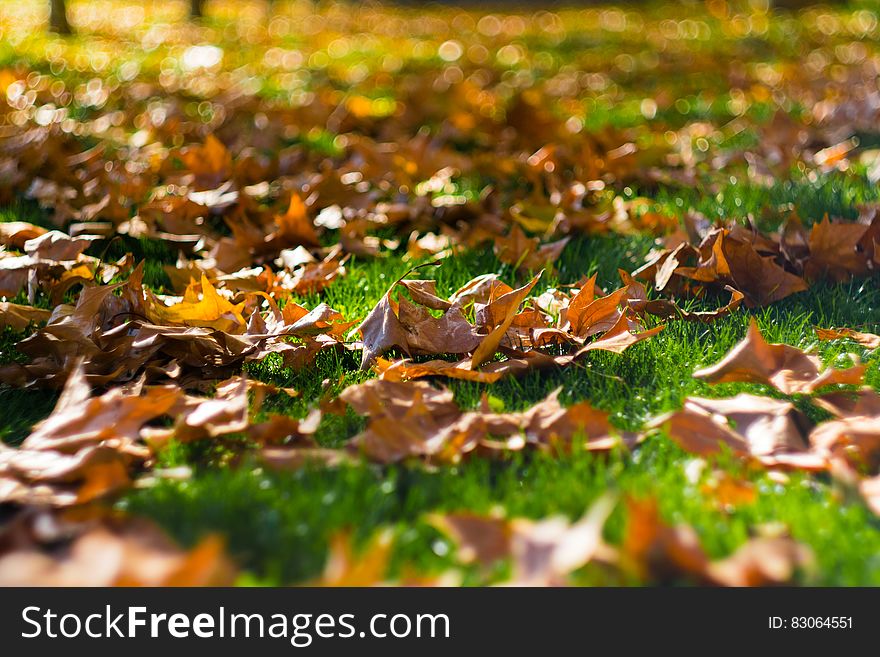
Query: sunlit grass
[[140, 79]]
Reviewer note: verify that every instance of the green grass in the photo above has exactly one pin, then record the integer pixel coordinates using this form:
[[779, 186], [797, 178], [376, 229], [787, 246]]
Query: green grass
[[278, 523]]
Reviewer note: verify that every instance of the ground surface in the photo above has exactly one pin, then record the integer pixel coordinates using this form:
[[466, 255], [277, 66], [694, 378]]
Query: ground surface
[[721, 97]]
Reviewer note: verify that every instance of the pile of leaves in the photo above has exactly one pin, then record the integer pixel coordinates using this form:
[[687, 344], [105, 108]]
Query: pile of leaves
[[265, 179]]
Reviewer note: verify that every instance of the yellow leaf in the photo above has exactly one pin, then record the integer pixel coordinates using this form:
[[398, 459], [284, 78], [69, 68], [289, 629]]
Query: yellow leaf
[[211, 310]]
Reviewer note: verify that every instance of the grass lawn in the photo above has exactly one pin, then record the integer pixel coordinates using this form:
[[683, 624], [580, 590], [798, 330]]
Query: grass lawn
[[278, 524]]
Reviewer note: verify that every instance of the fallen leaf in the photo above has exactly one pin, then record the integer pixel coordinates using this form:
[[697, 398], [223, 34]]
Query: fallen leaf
[[201, 306], [869, 340], [767, 431], [19, 316], [510, 302], [118, 553], [786, 368]]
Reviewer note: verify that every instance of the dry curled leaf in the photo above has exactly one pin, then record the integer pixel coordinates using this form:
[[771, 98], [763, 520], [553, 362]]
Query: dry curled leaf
[[767, 431], [542, 553], [786, 368], [348, 566], [115, 552], [668, 554], [507, 305], [869, 340], [415, 419], [412, 328], [19, 317]]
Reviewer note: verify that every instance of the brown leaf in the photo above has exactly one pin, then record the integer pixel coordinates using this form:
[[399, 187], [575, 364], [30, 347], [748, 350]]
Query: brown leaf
[[15, 233], [668, 554], [762, 562], [404, 370], [869, 340], [726, 258], [294, 226], [19, 317], [283, 428], [414, 419], [115, 418], [637, 300], [543, 553], [510, 302], [57, 246], [483, 539], [366, 567], [210, 163], [786, 368], [864, 402], [729, 491], [759, 278], [833, 251], [118, 553], [225, 413], [767, 431], [618, 338], [550, 423], [658, 551], [396, 399], [52, 478], [599, 315], [413, 328], [855, 438]]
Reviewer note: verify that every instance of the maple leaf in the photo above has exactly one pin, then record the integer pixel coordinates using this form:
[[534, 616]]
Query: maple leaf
[[759, 278], [508, 304], [19, 316], [404, 370], [768, 431], [587, 316], [728, 491], [57, 246], [637, 300], [618, 338], [294, 226], [83, 450], [725, 257], [413, 328], [346, 567], [528, 254], [415, 419], [762, 562], [668, 554], [201, 306], [16, 233], [854, 438], [114, 418], [209, 163], [549, 423], [786, 368], [834, 252], [869, 340], [864, 402], [543, 553], [115, 552], [55, 479]]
